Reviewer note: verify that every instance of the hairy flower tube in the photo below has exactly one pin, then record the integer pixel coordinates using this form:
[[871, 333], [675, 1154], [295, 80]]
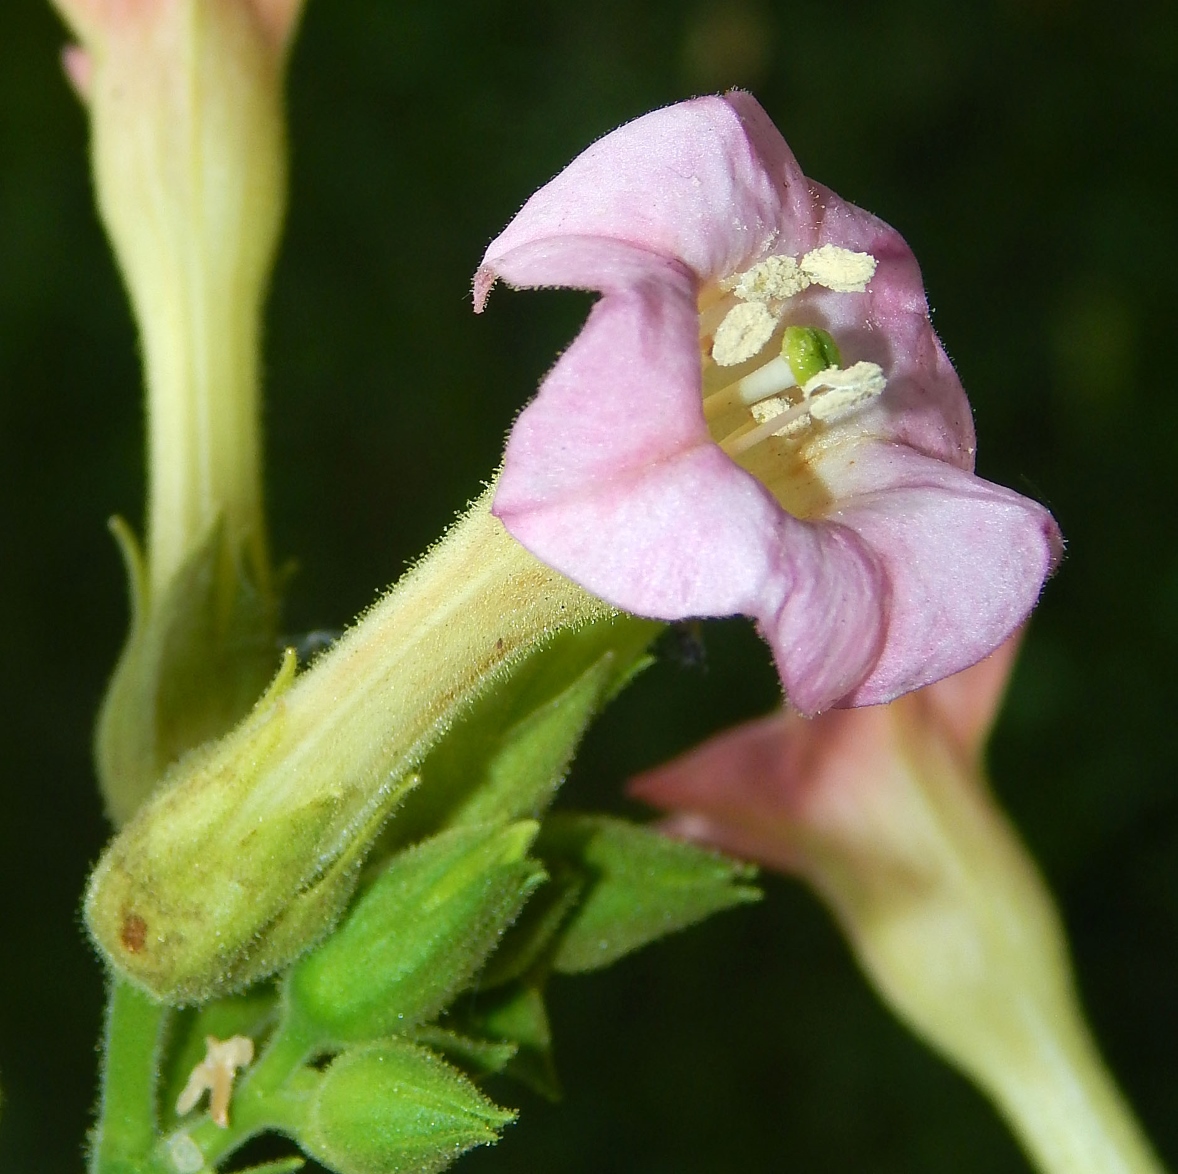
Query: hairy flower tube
[[252, 845], [757, 416], [885, 811]]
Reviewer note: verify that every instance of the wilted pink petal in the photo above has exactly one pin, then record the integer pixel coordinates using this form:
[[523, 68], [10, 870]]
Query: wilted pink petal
[[872, 559]]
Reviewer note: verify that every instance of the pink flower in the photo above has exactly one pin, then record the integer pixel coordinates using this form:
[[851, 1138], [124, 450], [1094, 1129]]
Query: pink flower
[[831, 797], [757, 417], [886, 813]]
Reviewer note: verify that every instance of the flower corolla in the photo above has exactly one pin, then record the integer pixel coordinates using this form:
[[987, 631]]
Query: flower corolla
[[757, 416]]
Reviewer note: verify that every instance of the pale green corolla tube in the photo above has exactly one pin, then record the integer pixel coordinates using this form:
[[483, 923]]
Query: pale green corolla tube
[[189, 159], [252, 845]]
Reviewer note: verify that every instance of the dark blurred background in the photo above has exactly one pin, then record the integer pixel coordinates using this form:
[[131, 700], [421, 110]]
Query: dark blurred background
[[1025, 148]]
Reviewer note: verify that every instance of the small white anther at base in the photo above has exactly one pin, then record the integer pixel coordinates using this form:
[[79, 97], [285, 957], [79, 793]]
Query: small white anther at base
[[838, 269], [746, 328], [771, 409]]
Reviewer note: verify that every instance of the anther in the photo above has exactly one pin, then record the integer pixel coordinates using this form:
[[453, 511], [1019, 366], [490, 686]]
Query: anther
[[773, 280], [828, 397], [833, 395], [838, 269], [746, 328]]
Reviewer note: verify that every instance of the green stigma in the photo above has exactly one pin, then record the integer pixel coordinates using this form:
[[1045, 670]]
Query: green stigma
[[808, 351]]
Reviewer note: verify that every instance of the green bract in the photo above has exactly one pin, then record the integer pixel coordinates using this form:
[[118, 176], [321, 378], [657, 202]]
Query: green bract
[[201, 650], [640, 886]]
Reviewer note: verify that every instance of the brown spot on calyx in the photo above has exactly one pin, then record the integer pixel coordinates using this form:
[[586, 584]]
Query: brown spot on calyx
[[133, 933], [499, 644]]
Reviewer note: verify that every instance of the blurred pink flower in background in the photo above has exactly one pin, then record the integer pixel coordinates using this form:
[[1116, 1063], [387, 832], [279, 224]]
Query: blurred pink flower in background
[[757, 416], [885, 811], [794, 793]]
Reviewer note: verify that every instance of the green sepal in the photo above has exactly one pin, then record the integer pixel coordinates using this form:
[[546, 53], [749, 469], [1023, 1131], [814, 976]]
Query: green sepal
[[641, 886], [527, 943], [396, 1108], [416, 936], [516, 1014], [282, 875], [481, 1057], [252, 1013], [507, 756], [198, 655]]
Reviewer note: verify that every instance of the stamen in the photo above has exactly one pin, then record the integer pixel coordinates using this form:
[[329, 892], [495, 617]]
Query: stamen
[[767, 409], [735, 445], [771, 379], [215, 1074], [838, 269], [746, 328]]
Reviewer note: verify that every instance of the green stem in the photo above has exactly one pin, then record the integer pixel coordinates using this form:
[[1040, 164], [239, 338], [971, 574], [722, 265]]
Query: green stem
[[126, 1128]]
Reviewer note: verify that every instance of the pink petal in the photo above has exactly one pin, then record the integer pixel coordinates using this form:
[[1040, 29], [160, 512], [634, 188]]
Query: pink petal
[[687, 182], [756, 789], [829, 622], [627, 391], [610, 475], [965, 559]]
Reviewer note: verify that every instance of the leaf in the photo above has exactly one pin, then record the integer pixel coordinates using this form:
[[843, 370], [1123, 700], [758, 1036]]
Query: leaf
[[418, 934], [396, 1108], [506, 757], [641, 886]]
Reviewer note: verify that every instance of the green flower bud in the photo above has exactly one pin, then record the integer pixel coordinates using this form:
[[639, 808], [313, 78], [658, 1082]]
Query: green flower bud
[[417, 935], [397, 1109], [809, 351]]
